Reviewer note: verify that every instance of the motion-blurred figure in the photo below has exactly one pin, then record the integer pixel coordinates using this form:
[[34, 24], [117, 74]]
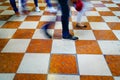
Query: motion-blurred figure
[[23, 7], [49, 5], [65, 21]]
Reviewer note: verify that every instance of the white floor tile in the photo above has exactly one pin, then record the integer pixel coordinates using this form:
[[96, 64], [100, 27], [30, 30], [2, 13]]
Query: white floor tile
[[34, 63], [7, 12], [7, 1], [16, 45], [54, 1], [36, 13], [17, 18], [7, 33], [111, 5], [116, 1], [30, 8], [30, 1], [117, 13], [111, 18], [110, 47], [92, 13], [84, 34], [96, 2], [29, 25], [99, 26], [2, 23], [63, 47], [58, 25], [89, 4], [48, 18], [43, 4], [102, 9], [117, 33], [7, 76], [3, 7], [93, 65], [63, 77], [117, 78]]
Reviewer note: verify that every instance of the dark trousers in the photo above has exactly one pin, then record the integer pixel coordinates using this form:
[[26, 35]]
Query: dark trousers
[[36, 3], [47, 1], [64, 17], [13, 4]]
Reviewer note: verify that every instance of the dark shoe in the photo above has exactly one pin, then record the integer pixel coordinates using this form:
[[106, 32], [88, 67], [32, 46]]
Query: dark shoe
[[45, 27], [81, 27], [70, 37]]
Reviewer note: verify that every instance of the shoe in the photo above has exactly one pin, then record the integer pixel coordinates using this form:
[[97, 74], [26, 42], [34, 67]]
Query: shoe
[[37, 9], [70, 37], [81, 26], [17, 13], [52, 10]]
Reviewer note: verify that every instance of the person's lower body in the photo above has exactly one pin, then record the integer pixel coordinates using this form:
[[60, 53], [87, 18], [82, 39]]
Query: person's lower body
[[65, 20], [50, 7], [13, 4], [79, 24], [23, 6], [24, 9], [79, 16], [37, 9]]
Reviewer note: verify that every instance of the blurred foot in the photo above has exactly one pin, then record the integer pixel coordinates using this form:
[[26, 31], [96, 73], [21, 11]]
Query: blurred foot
[[52, 10], [37, 9], [81, 26], [45, 27], [17, 13], [70, 37]]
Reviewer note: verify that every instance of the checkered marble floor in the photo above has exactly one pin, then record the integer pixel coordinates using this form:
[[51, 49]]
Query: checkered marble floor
[[26, 54]]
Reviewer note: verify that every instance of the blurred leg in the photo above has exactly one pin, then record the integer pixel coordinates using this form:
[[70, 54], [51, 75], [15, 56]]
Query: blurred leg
[[13, 4], [65, 20], [50, 7], [36, 6], [64, 17], [48, 3], [36, 3]]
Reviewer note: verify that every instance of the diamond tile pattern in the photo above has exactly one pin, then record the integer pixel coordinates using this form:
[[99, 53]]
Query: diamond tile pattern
[[27, 54]]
